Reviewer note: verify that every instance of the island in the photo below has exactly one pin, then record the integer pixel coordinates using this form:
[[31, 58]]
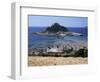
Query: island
[[57, 30]]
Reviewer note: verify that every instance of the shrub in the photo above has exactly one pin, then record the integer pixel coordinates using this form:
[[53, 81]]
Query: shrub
[[82, 53]]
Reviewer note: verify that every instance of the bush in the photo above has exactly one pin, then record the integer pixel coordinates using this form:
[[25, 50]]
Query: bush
[[82, 53]]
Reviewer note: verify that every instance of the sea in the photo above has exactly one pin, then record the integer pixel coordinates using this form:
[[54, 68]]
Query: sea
[[35, 41]]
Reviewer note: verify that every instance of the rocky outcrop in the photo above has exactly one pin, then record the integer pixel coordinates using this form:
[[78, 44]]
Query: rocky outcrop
[[56, 27]]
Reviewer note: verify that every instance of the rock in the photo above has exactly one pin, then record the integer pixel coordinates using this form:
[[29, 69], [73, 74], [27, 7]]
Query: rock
[[56, 27]]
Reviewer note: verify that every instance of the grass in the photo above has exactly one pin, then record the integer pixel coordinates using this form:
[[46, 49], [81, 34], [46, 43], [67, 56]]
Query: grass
[[47, 61]]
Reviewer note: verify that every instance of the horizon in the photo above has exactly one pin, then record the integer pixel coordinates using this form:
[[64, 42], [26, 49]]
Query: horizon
[[46, 27], [66, 21]]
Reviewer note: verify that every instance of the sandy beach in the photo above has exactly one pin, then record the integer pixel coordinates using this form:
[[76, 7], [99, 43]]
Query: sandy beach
[[47, 61]]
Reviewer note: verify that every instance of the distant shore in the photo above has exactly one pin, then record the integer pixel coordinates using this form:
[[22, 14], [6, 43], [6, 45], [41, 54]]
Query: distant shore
[[51, 61], [58, 34]]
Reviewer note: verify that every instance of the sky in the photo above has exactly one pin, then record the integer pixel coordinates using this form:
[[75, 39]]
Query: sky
[[67, 21]]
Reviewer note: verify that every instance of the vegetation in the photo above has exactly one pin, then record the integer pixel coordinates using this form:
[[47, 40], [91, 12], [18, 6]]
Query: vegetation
[[56, 27], [82, 53]]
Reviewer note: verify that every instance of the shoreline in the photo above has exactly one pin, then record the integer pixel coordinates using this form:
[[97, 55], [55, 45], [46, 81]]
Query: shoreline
[[63, 49], [58, 34]]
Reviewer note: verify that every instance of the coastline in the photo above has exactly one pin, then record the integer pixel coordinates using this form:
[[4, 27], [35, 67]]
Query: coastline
[[58, 34], [60, 49]]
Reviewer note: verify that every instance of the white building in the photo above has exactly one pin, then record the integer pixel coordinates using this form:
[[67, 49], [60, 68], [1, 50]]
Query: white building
[[54, 49]]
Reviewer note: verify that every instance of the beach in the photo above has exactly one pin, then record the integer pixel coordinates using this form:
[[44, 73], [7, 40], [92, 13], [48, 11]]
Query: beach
[[51, 61]]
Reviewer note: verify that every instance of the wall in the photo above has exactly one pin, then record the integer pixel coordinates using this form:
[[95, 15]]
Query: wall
[[5, 41]]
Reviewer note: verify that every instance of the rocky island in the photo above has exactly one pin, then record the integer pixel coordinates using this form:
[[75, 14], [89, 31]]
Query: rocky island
[[57, 30]]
